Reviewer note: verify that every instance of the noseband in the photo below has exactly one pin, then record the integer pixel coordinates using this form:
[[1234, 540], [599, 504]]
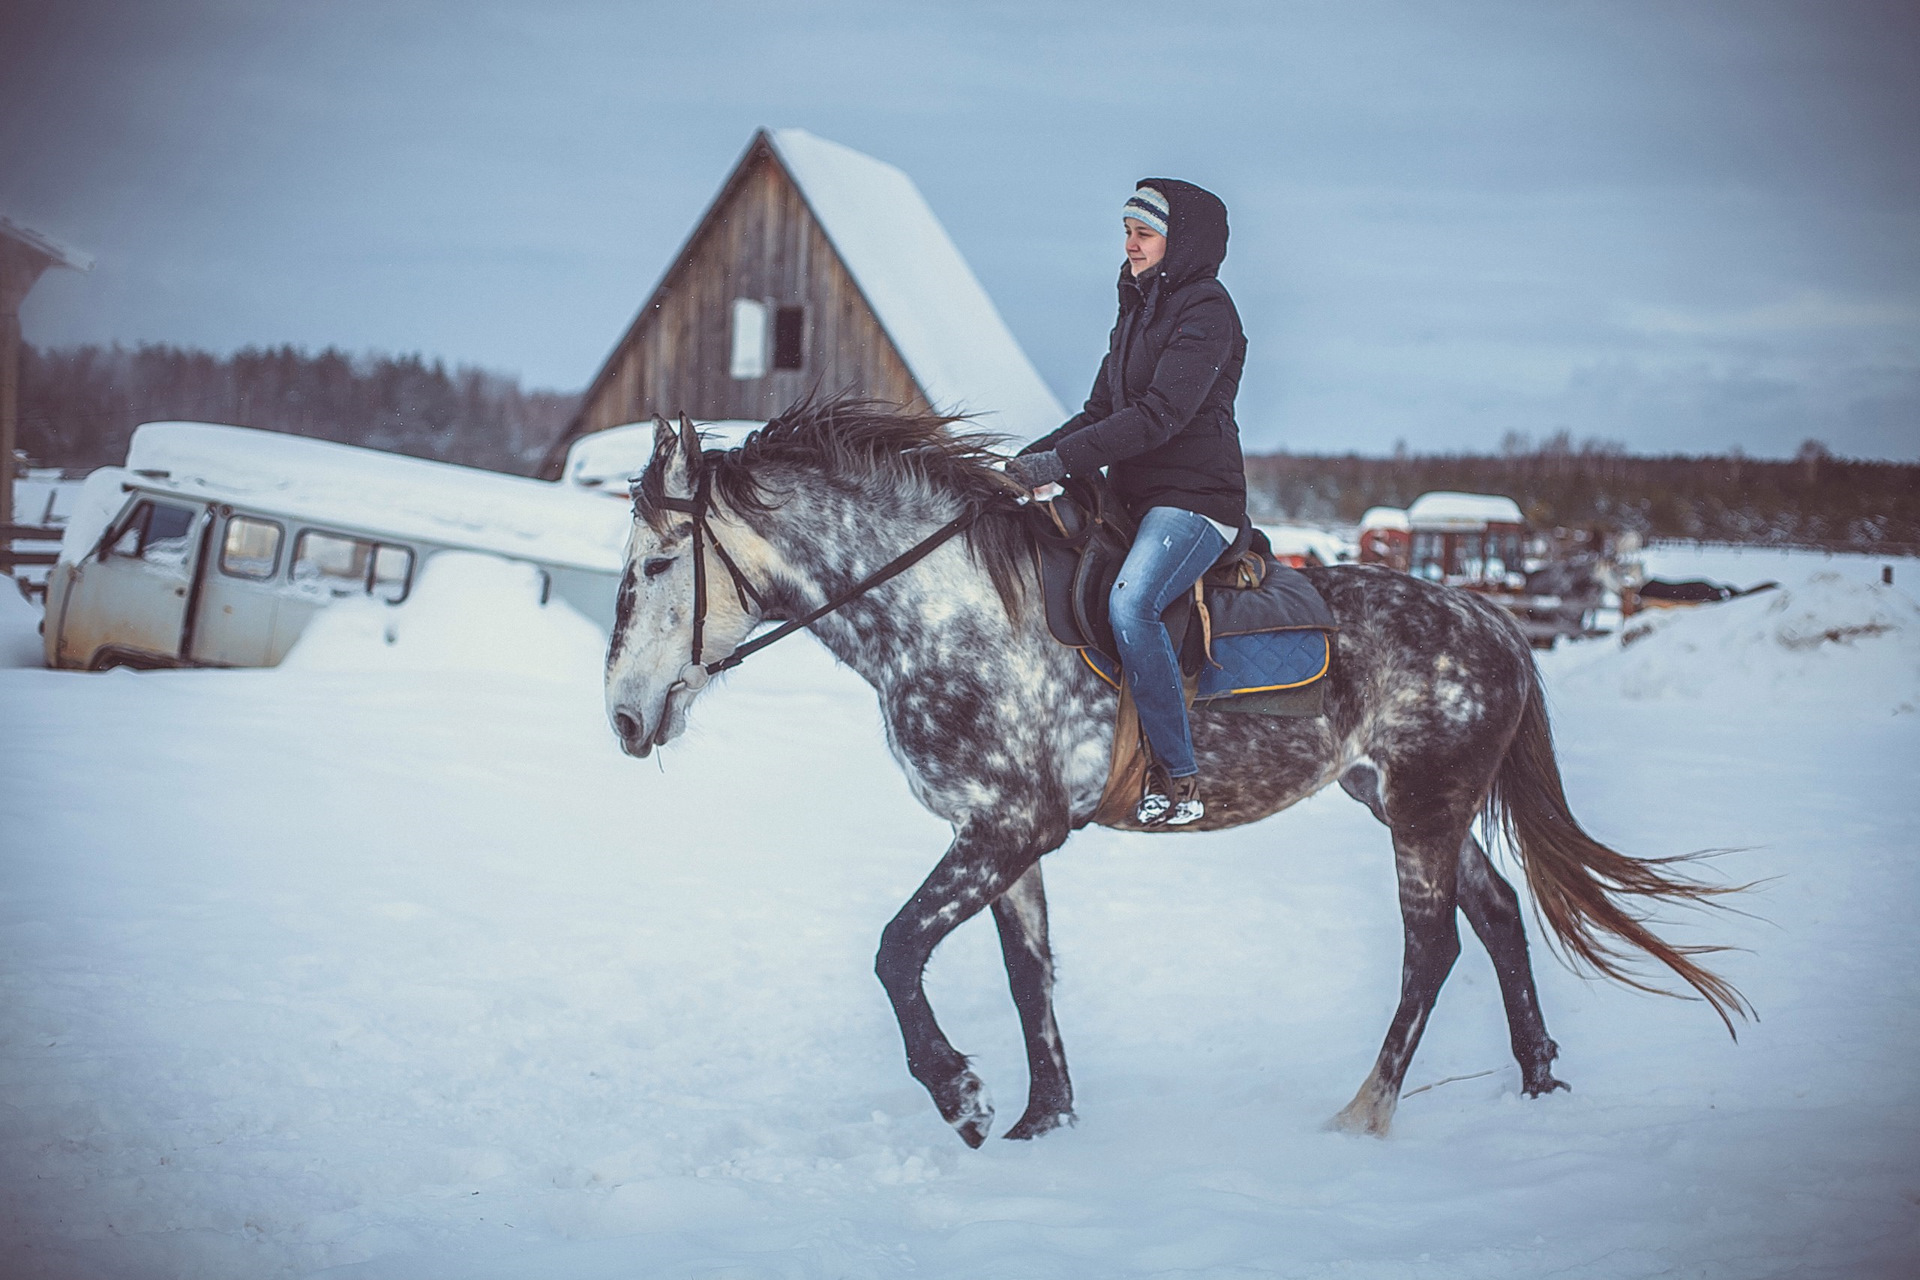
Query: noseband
[[696, 673]]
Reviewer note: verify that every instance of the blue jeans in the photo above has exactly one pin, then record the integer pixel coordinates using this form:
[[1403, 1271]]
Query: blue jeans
[[1170, 552]]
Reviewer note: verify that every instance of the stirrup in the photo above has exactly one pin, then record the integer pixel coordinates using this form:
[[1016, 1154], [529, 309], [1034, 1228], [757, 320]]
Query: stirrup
[[1187, 805], [1154, 804]]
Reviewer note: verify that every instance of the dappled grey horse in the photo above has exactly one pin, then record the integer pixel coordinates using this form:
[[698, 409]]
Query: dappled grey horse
[[894, 539]]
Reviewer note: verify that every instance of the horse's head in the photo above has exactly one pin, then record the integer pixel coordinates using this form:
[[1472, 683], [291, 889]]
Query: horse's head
[[661, 637]]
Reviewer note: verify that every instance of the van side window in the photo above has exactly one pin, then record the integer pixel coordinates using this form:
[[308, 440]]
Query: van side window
[[350, 566], [251, 548], [156, 532], [392, 571]]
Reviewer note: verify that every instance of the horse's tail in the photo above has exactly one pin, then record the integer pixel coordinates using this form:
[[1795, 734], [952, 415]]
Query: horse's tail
[[1584, 889]]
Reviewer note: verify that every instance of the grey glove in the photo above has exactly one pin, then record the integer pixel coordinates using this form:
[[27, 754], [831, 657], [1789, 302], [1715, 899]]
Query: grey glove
[[1032, 470]]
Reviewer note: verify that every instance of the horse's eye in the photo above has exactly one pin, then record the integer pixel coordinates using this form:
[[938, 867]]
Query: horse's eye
[[657, 566]]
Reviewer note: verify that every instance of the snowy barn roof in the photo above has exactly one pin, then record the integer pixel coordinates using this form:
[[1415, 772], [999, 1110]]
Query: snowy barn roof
[[1444, 510], [336, 485], [923, 292], [46, 246]]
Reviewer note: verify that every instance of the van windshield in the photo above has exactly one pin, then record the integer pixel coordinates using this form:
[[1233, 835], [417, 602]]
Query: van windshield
[[157, 532]]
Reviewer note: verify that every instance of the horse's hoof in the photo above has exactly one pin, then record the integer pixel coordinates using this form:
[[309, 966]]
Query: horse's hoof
[[1362, 1125], [1367, 1113], [1537, 1075], [1035, 1123], [964, 1104]]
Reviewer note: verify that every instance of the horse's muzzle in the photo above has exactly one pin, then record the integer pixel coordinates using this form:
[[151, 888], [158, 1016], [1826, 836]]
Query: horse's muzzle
[[633, 740]]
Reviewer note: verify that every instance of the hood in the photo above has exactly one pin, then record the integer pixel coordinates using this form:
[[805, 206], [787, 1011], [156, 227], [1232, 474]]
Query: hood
[[1196, 231]]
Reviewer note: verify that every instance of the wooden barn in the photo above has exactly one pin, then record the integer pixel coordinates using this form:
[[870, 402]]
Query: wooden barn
[[816, 269]]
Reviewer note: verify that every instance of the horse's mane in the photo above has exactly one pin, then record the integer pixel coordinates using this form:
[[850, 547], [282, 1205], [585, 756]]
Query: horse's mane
[[885, 454]]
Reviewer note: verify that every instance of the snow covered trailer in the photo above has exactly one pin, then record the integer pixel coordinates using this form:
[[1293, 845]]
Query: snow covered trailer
[[1481, 542], [1386, 538], [214, 545]]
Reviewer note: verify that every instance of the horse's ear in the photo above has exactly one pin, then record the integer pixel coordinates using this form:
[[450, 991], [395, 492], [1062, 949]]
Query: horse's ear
[[666, 472], [666, 462], [690, 445]]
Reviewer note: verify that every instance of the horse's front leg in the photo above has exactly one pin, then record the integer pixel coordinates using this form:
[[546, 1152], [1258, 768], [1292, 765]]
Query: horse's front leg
[[1021, 914], [983, 863]]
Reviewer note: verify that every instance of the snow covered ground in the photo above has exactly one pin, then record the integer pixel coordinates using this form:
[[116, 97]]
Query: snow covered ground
[[388, 964]]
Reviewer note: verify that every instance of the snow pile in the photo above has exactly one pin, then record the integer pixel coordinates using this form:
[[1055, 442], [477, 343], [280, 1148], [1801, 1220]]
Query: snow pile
[[468, 612], [19, 630], [1828, 639]]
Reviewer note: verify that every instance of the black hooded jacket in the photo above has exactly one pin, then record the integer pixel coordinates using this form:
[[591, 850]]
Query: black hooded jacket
[[1160, 417]]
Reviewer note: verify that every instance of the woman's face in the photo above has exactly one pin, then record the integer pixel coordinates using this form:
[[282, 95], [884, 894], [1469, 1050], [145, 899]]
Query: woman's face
[[1145, 246]]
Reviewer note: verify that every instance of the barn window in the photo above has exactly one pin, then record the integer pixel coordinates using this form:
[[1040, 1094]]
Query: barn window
[[789, 335], [749, 339]]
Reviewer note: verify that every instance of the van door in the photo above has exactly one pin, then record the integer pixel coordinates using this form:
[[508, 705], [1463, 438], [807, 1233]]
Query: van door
[[130, 602], [240, 596]]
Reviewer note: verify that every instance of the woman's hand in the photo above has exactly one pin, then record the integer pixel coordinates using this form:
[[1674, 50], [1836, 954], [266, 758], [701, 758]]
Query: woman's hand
[[1036, 471]]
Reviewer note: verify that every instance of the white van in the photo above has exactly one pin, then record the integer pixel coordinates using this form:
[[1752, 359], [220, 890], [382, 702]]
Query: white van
[[214, 545]]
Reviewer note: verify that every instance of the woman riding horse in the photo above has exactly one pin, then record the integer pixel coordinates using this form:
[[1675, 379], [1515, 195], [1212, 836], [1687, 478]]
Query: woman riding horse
[[1160, 419]]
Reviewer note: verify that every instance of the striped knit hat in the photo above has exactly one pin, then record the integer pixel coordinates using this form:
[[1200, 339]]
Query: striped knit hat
[[1148, 208]]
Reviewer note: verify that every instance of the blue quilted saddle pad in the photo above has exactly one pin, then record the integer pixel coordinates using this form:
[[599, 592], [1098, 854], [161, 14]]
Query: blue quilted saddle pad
[[1265, 662]]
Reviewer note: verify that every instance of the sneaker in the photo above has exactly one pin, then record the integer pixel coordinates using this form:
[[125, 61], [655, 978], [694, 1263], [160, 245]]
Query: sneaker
[[1187, 806], [1157, 800]]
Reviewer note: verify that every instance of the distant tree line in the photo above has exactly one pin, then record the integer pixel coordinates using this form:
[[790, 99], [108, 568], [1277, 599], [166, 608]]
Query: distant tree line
[[79, 405], [1811, 500]]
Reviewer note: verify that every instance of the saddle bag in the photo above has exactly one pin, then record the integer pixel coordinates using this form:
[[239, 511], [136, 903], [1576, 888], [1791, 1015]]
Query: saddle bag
[[1264, 648]]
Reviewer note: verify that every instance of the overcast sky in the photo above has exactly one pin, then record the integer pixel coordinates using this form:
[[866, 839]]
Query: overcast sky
[[1678, 226]]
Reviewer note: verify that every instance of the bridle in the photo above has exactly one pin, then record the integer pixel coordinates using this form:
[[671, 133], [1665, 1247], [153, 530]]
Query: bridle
[[696, 673]]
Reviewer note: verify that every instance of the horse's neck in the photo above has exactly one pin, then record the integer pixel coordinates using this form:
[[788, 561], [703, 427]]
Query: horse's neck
[[899, 628]]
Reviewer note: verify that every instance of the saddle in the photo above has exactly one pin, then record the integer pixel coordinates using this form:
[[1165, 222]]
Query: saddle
[[1252, 635]]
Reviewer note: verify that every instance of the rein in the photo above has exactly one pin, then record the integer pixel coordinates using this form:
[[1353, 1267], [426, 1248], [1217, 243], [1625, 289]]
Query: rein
[[699, 505]]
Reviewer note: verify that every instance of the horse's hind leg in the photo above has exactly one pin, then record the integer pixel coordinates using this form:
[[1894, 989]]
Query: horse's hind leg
[[1021, 914], [1426, 844], [1493, 910]]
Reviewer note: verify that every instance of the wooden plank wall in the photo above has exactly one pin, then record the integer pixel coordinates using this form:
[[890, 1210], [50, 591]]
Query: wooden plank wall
[[760, 243]]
